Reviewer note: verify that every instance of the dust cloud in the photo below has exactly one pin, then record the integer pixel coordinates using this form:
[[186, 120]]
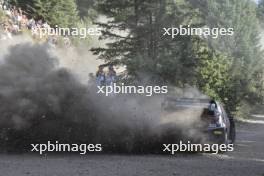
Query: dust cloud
[[44, 96]]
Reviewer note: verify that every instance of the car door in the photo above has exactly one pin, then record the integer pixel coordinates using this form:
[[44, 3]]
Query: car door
[[225, 118]]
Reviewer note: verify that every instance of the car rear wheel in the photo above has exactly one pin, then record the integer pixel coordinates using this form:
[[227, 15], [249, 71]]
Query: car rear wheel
[[232, 135], [225, 139]]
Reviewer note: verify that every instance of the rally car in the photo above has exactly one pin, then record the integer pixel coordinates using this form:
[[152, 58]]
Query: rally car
[[208, 116]]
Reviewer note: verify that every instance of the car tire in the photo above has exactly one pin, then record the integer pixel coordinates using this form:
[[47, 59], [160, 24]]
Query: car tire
[[232, 135], [225, 138]]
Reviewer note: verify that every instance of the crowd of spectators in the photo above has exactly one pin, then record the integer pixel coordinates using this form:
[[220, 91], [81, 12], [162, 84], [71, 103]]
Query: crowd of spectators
[[16, 21], [105, 78]]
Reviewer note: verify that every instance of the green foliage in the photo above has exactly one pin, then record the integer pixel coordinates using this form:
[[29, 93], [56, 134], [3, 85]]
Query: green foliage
[[57, 12], [86, 8], [243, 46], [243, 109], [76, 40], [2, 16], [229, 68], [63, 13], [26, 5], [214, 74], [260, 11], [139, 44]]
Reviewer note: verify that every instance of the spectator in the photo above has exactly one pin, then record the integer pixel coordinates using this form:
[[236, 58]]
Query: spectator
[[7, 33], [111, 76], [66, 41], [100, 76], [17, 22], [31, 23], [24, 22]]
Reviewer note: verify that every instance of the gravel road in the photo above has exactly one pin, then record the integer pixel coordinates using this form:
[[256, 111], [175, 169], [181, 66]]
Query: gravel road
[[246, 160]]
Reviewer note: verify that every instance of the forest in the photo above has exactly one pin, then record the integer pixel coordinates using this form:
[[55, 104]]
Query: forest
[[229, 68]]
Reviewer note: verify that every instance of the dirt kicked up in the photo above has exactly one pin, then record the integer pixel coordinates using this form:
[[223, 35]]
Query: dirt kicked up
[[247, 159], [41, 101]]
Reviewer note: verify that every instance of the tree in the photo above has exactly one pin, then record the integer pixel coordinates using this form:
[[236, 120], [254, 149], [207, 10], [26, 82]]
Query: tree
[[260, 11], [243, 47], [136, 27], [213, 77], [85, 8], [26, 5], [63, 13], [229, 68], [57, 12]]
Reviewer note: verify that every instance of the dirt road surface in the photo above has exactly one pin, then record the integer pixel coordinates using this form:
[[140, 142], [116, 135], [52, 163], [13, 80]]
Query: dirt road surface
[[246, 160]]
